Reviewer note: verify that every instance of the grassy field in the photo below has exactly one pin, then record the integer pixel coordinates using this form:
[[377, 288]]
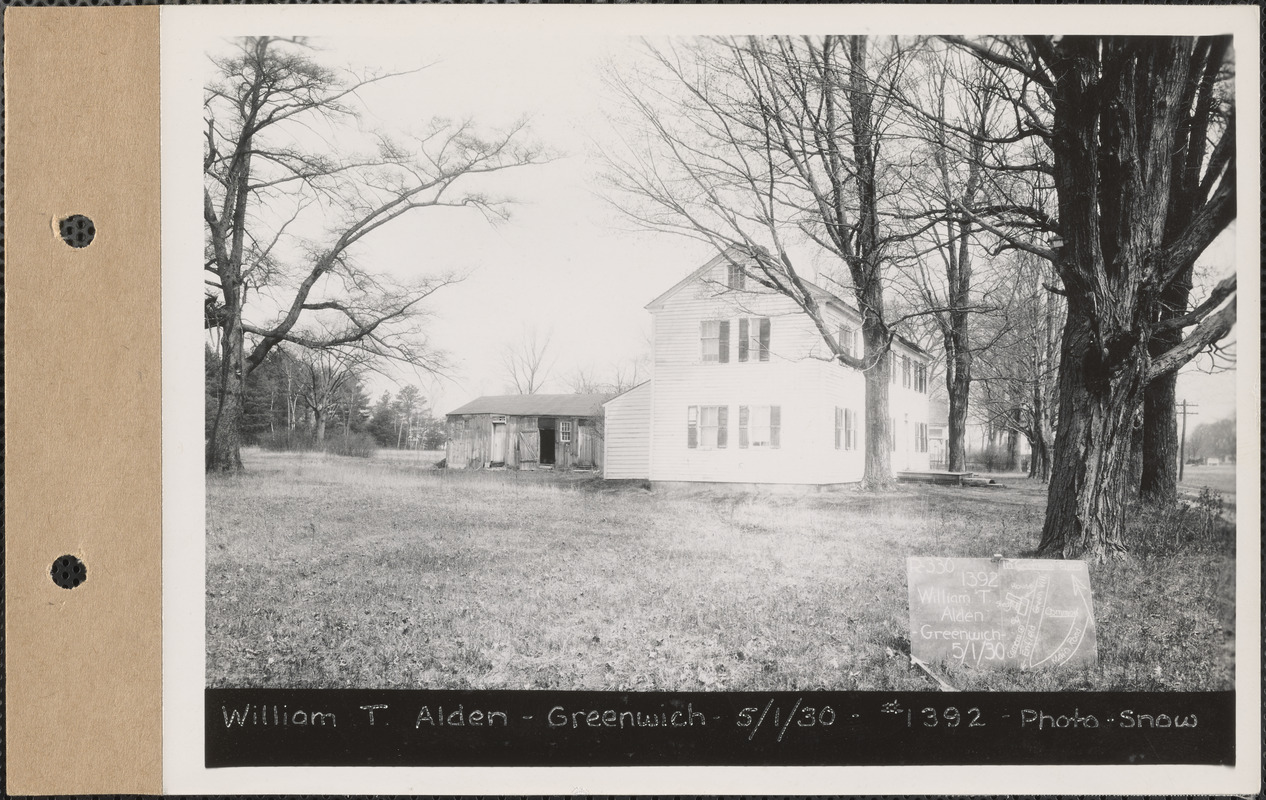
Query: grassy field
[[332, 572]]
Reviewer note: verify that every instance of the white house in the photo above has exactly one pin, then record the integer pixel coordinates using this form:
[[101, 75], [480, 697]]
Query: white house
[[746, 391]]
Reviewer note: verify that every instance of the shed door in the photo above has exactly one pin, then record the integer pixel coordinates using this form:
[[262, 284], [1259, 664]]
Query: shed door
[[529, 445], [587, 444], [498, 454]]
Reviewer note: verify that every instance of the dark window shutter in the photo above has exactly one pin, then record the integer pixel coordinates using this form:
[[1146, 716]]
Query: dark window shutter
[[742, 426], [743, 339], [692, 427], [723, 345], [775, 425], [764, 339], [722, 426]]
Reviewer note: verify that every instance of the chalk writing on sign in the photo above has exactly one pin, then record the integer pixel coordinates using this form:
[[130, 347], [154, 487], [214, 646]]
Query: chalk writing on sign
[[980, 612]]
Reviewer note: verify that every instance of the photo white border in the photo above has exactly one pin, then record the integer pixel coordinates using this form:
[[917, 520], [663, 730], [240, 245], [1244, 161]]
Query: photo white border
[[186, 31]]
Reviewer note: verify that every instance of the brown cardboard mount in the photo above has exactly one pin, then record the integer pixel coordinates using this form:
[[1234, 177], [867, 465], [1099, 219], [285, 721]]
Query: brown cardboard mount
[[83, 698]]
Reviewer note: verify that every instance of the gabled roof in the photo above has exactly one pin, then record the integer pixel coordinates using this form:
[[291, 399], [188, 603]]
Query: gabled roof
[[536, 405], [822, 295]]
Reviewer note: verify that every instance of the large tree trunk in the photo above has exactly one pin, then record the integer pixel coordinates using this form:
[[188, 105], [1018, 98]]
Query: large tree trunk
[[878, 473], [319, 417], [1159, 483], [1013, 443], [958, 387], [224, 449], [1090, 486]]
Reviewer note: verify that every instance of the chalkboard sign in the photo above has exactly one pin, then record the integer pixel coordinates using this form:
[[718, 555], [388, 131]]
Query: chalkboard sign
[[980, 612]]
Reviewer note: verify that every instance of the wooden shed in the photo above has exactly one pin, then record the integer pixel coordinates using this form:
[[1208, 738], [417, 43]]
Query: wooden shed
[[527, 431]]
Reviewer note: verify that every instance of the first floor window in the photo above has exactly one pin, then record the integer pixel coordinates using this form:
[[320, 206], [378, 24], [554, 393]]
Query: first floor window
[[707, 427], [921, 437], [839, 427], [564, 431], [760, 426], [892, 433], [850, 429]]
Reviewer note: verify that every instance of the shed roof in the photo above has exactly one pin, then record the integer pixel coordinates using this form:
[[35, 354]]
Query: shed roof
[[536, 405]]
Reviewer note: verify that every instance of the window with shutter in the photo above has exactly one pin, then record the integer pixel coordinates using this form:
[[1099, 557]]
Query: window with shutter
[[905, 372], [723, 426], [839, 427], [764, 339], [743, 419], [710, 339], [847, 340], [892, 366], [723, 343], [850, 429], [743, 340], [775, 426], [692, 427], [710, 421]]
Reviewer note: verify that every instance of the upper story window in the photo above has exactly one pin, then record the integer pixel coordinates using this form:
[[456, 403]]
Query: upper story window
[[714, 339], [753, 339], [920, 378], [736, 278], [847, 339], [905, 372], [892, 366]]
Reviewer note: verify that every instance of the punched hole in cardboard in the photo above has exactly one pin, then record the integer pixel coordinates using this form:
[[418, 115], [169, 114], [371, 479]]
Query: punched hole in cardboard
[[77, 230], [68, 572]]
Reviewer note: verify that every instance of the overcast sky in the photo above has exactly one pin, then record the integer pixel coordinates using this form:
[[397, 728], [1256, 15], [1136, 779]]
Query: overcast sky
[[566, 263]]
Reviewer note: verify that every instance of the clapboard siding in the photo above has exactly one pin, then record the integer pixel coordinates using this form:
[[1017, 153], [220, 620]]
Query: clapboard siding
[[800, 376], [627, 434]]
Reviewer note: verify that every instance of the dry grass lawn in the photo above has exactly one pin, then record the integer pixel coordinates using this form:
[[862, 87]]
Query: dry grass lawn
[[327, 572]]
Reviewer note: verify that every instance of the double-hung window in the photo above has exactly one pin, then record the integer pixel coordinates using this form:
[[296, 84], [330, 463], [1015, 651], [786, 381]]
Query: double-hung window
[[753, 339], [707, 427], [847, 341], [564, 430], [905, 372], [736, 278], [850, 429], [714, 338], [760, 426]]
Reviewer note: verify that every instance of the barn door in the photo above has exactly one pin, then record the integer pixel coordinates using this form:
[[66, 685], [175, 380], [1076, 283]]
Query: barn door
[[529, 447]]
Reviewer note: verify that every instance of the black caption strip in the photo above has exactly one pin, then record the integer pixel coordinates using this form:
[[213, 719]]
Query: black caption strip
[[315, 727]]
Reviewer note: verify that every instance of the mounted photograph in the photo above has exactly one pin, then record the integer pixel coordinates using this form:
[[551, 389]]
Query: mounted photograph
[[720, 363]]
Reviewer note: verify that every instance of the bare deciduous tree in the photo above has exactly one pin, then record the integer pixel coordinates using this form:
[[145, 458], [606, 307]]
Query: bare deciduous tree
[[755, 145], [1143, 159], [528, 361], [263, 186]]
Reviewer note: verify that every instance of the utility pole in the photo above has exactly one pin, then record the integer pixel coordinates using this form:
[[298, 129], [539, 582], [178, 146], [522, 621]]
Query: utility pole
[[1182, 441]]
